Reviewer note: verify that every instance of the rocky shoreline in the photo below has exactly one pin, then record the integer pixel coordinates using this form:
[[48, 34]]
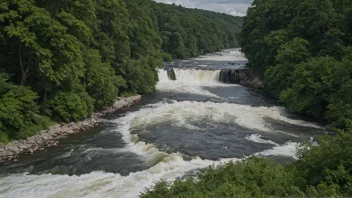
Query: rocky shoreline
[[50, 137]]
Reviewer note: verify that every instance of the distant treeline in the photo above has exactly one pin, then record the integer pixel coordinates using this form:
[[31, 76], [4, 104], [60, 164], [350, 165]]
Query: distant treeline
[[61, 60]]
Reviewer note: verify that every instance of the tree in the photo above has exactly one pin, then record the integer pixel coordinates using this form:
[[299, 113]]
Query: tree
[[278, 77], [18, 111], [71, 57], [101, 82], [300, 78]]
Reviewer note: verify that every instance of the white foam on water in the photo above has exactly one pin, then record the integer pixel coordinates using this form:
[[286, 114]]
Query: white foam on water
[[186, 113], [197, 76], [258, 139], [226, 55], [168, 166], [289, 149], [190, 81], [99, 184]]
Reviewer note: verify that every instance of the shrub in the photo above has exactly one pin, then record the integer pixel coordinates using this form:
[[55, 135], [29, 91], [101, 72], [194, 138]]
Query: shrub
[[254, 177], [101, 82], [18, 111], [68, 106]]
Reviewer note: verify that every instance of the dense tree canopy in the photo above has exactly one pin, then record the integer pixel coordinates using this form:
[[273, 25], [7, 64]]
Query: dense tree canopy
[[63, 59], [303, 50]]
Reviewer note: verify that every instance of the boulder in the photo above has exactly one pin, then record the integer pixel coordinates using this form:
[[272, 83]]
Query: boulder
[[244, 76], [70, 132]]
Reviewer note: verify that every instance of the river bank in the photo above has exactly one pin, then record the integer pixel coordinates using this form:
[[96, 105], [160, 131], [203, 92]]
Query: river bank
[[185, 126], [51, 136]]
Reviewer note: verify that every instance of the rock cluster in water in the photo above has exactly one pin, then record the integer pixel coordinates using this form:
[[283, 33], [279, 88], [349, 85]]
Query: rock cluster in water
[[50, 137], [244, 76], [171, 73]]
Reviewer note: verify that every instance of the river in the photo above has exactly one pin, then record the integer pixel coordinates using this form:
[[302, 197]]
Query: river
[[187, 125]]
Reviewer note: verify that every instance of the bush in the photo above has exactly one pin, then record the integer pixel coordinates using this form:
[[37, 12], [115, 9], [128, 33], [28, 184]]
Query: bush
[[68, 106], [321, 171], [18, 111], [312, 87], [101, 82], [254, 177], [141, 78], [327, 166], [167, 57]]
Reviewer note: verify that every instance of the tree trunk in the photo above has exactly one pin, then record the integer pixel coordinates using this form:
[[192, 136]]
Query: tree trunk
[[24, 71]]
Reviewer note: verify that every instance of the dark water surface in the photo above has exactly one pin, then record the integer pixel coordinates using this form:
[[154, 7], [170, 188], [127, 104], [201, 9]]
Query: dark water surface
[[186, 125]]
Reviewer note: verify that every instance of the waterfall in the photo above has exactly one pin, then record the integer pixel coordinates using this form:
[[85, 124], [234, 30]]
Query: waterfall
[[228, 76], [193, 75]]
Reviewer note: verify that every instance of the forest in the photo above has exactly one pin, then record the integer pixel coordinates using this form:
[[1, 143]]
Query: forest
[[303, 51], [62, 60]]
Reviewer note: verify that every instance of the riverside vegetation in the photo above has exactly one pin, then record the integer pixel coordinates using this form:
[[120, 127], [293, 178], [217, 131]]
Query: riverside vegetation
[[303, 50], [62, 60]]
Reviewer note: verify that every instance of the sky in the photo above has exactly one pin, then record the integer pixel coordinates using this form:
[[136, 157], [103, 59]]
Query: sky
[[233, 7]]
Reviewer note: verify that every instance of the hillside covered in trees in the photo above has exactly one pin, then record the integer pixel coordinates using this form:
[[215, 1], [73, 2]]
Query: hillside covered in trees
[[303, 49], [61, 60]]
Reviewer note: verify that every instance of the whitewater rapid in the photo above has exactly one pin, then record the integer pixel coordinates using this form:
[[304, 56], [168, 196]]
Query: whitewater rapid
[[187, 115], [168, 166], [226, 55]]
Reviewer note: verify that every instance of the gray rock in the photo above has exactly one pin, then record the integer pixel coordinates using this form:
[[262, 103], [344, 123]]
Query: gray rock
[[70, 132], [58, 131], [23, 146]]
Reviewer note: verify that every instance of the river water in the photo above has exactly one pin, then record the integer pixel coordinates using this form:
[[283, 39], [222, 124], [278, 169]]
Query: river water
[[185, 126]]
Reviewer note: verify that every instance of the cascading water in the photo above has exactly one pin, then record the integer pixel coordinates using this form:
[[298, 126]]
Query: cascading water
[[189, 75], [229, 76], [190, 81], [191, 122], [197, 75]]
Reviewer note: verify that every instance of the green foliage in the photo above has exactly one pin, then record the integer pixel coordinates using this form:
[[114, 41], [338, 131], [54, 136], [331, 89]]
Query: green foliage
[[188, 33], [340, 106], [303, 48], [167, 57], [101, 82], [323, 170], [18, 111], [68, 106], [254, 177], [335, 173], [72, 55], [277, 78], [312, 87]]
